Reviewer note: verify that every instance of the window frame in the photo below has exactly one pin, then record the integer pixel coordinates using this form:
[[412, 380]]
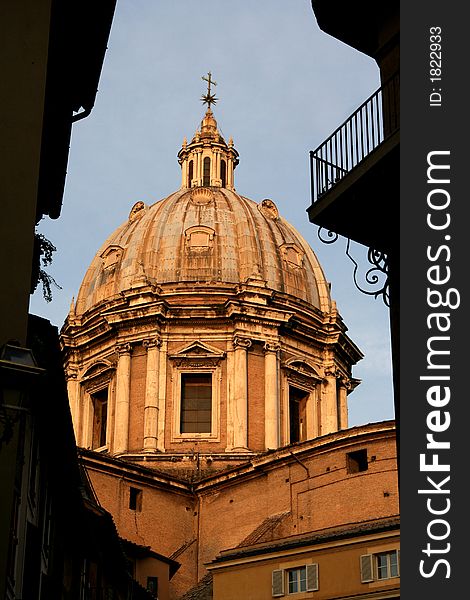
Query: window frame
[[188, 381], [369, 566], [298, 572], [95, 400], [214, 434], [387, 554], [206, 171], [280, 584]]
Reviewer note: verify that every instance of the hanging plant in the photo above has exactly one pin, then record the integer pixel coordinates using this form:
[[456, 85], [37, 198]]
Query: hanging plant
[[43, 250]]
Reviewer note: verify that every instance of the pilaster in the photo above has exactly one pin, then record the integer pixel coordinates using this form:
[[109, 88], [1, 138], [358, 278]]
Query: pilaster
[[271, 395], [151, 395], [240, 403], [121, 424]]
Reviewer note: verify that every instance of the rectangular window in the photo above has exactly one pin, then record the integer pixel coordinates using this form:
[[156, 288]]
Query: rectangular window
[[297, 414], [297, 580], [383, 565], [100, 418], [206, 175], [135, 499], [196, 403], [387, 565], [152, 586]]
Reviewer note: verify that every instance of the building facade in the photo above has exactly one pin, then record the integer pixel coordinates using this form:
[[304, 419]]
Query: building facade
[[208, 371]]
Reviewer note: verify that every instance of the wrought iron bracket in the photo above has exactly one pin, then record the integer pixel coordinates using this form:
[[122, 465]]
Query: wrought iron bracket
[[377, 277]]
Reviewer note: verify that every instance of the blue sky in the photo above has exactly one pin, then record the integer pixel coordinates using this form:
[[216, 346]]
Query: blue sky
[[283, 86]]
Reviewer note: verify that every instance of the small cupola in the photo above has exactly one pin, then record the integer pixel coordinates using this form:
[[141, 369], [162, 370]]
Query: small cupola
[[208, 161]]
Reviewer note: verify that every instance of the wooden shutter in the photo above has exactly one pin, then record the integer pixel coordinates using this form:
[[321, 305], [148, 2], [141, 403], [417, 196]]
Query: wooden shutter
[[278, 583], [312, 577], [367, 568]]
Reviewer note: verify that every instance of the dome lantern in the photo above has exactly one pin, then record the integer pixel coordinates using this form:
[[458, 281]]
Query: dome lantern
[[207, 161]]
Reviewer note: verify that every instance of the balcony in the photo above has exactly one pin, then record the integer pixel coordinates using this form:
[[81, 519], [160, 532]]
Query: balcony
[[354, 173]]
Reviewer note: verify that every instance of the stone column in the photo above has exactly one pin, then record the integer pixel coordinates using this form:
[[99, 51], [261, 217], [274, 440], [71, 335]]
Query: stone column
[[218, 174], [329, 405], [343, 386], [213, 167], [199, 167], [162, 396], [240, 403], [271, 396], [184, 174], [73, 393], [123, 380], [229, 392], [312, 414], [151, 395], [230, 173]]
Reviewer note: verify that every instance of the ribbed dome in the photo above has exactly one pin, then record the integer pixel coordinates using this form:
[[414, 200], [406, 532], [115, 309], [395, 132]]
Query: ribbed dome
[[205, 235]]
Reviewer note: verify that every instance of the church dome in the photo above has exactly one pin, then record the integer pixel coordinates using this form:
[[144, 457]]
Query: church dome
[[200, 236], [204, 325]]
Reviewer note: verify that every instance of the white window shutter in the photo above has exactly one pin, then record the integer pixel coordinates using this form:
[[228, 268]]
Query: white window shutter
[[278, 583], [312, 577], [398, 561], [367, 568]]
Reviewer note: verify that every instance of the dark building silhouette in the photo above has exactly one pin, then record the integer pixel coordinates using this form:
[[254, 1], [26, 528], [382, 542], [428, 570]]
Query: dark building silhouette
[[355, 172], [55, 539]]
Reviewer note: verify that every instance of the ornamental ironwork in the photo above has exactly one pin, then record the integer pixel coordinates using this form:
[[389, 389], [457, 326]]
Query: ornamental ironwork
[[375, 278]]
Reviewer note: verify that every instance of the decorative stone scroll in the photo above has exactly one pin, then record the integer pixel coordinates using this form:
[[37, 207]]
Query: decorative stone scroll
[[124, 348], [241, 342], [271, 347], [152, 342]]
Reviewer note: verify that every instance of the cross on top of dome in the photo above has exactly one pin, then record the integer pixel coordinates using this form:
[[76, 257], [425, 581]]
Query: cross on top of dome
[[209, 98]]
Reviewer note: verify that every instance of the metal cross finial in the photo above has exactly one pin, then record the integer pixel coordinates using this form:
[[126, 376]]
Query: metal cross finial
[[209, 98]]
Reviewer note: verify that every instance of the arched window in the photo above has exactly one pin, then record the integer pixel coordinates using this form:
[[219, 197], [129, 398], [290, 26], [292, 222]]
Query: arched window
[[190, 172], [206, 176], [223, 173]]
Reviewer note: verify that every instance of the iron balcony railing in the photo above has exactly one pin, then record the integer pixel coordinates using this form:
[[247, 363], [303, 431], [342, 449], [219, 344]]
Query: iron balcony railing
[[368, 127]]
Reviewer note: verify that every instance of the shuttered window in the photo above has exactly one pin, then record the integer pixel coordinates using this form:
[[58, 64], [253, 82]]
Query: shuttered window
[[277, 583], [383, 565], [367, 568], [312, 577]]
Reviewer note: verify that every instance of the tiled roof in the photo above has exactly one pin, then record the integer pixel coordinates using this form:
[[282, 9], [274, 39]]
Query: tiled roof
[[266, 527], [201, 591]]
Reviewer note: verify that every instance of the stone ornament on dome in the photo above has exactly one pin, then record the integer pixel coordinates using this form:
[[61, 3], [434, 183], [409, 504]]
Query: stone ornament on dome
[[202, 196], [293, 255], [268, 209], [136, 210], [111, 256]]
